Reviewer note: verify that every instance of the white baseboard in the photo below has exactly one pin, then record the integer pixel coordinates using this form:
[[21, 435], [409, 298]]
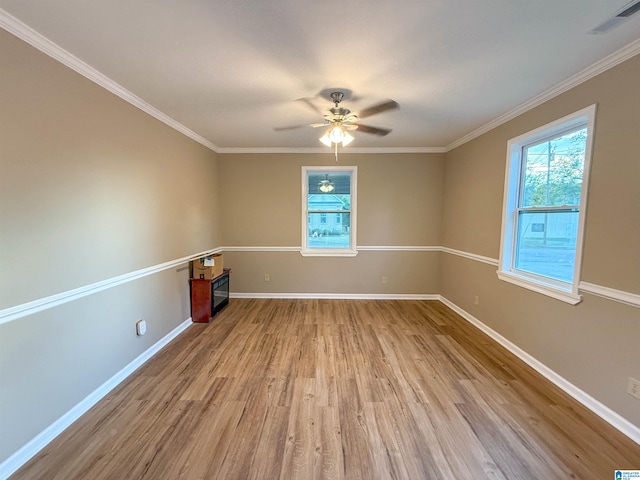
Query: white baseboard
[[629, 429], [20, 311], [19, 458], [24, 454], [604, 412]]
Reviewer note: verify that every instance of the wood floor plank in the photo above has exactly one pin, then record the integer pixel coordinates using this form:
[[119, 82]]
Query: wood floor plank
[[302, 453], [383, 441], [267, 458], [357, 455], [331, 444], [506, 441], [335, 389], [212, 440], [414, 449], [245, 438]]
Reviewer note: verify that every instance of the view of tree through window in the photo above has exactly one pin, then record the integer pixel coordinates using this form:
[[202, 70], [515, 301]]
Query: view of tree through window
[[554, 170], [548, 212], [543, 219]]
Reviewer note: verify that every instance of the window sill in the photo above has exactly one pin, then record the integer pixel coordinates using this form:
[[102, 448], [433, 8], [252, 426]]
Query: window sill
[[539, 287], [329, 253]]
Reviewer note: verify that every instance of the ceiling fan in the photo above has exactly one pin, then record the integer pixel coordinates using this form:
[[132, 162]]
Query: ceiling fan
[[339, 121]]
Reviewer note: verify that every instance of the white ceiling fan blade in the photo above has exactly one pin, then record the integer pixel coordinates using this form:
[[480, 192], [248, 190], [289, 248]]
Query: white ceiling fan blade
[[307, 102]]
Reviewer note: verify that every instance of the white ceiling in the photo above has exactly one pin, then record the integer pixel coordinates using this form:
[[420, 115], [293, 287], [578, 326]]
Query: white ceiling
[[231, 70]]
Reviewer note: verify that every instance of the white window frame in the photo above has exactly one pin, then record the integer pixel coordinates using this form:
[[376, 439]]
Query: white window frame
[[564, 291], [329, 252]]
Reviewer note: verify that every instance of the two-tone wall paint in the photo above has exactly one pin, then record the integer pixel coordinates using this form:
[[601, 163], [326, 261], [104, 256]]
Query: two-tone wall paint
[[595, 343], [102, 205], [399, 203], [92, 190]]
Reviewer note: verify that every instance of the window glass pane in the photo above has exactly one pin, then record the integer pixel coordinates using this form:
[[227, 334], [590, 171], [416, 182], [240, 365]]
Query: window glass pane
[[547, 244], [329, 192], [553, 171], [328, 202], [330, 231], [334, 183]]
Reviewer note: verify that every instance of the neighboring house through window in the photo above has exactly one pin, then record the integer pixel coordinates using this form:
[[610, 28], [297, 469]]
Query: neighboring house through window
[[544, 206], [329, 211]]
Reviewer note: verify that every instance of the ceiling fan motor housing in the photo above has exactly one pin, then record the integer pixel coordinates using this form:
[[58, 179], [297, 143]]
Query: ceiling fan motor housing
[[339, 111], [337, 97]]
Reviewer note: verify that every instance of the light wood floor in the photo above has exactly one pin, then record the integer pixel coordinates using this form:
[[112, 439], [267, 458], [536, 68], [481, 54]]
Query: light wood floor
[[336, 389]]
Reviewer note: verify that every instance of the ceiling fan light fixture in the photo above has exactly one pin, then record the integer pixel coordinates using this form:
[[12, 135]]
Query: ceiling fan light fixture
[[325, 139], [348, 138], [336, 133], [339, 121]]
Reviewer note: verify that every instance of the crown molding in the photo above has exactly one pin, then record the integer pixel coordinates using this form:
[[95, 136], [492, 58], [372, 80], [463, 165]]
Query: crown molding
[[14, 26], [597, 68], [326, 150], [24, 32]]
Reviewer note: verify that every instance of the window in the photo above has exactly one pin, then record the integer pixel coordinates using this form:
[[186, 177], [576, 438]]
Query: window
[[544, 206], [329, 211]]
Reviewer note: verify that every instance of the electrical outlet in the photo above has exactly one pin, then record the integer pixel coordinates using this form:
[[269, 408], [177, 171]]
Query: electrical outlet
[[633, 387], [141, 327], [476, 300], [384, 280], [267, 277]]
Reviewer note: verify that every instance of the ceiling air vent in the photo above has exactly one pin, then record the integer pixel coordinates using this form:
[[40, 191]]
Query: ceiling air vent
[[617, 18]]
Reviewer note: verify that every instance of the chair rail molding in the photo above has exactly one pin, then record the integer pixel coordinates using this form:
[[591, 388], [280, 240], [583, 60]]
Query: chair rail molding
[[19, 311]]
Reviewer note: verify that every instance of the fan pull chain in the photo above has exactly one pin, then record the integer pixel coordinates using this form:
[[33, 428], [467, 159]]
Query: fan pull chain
[[336, 151]]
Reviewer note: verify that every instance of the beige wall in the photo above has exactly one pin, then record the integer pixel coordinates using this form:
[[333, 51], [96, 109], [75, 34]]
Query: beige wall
[[90, 188], [399, 197], [399, 204], [51, 361], [594, 345], [414, 273]]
